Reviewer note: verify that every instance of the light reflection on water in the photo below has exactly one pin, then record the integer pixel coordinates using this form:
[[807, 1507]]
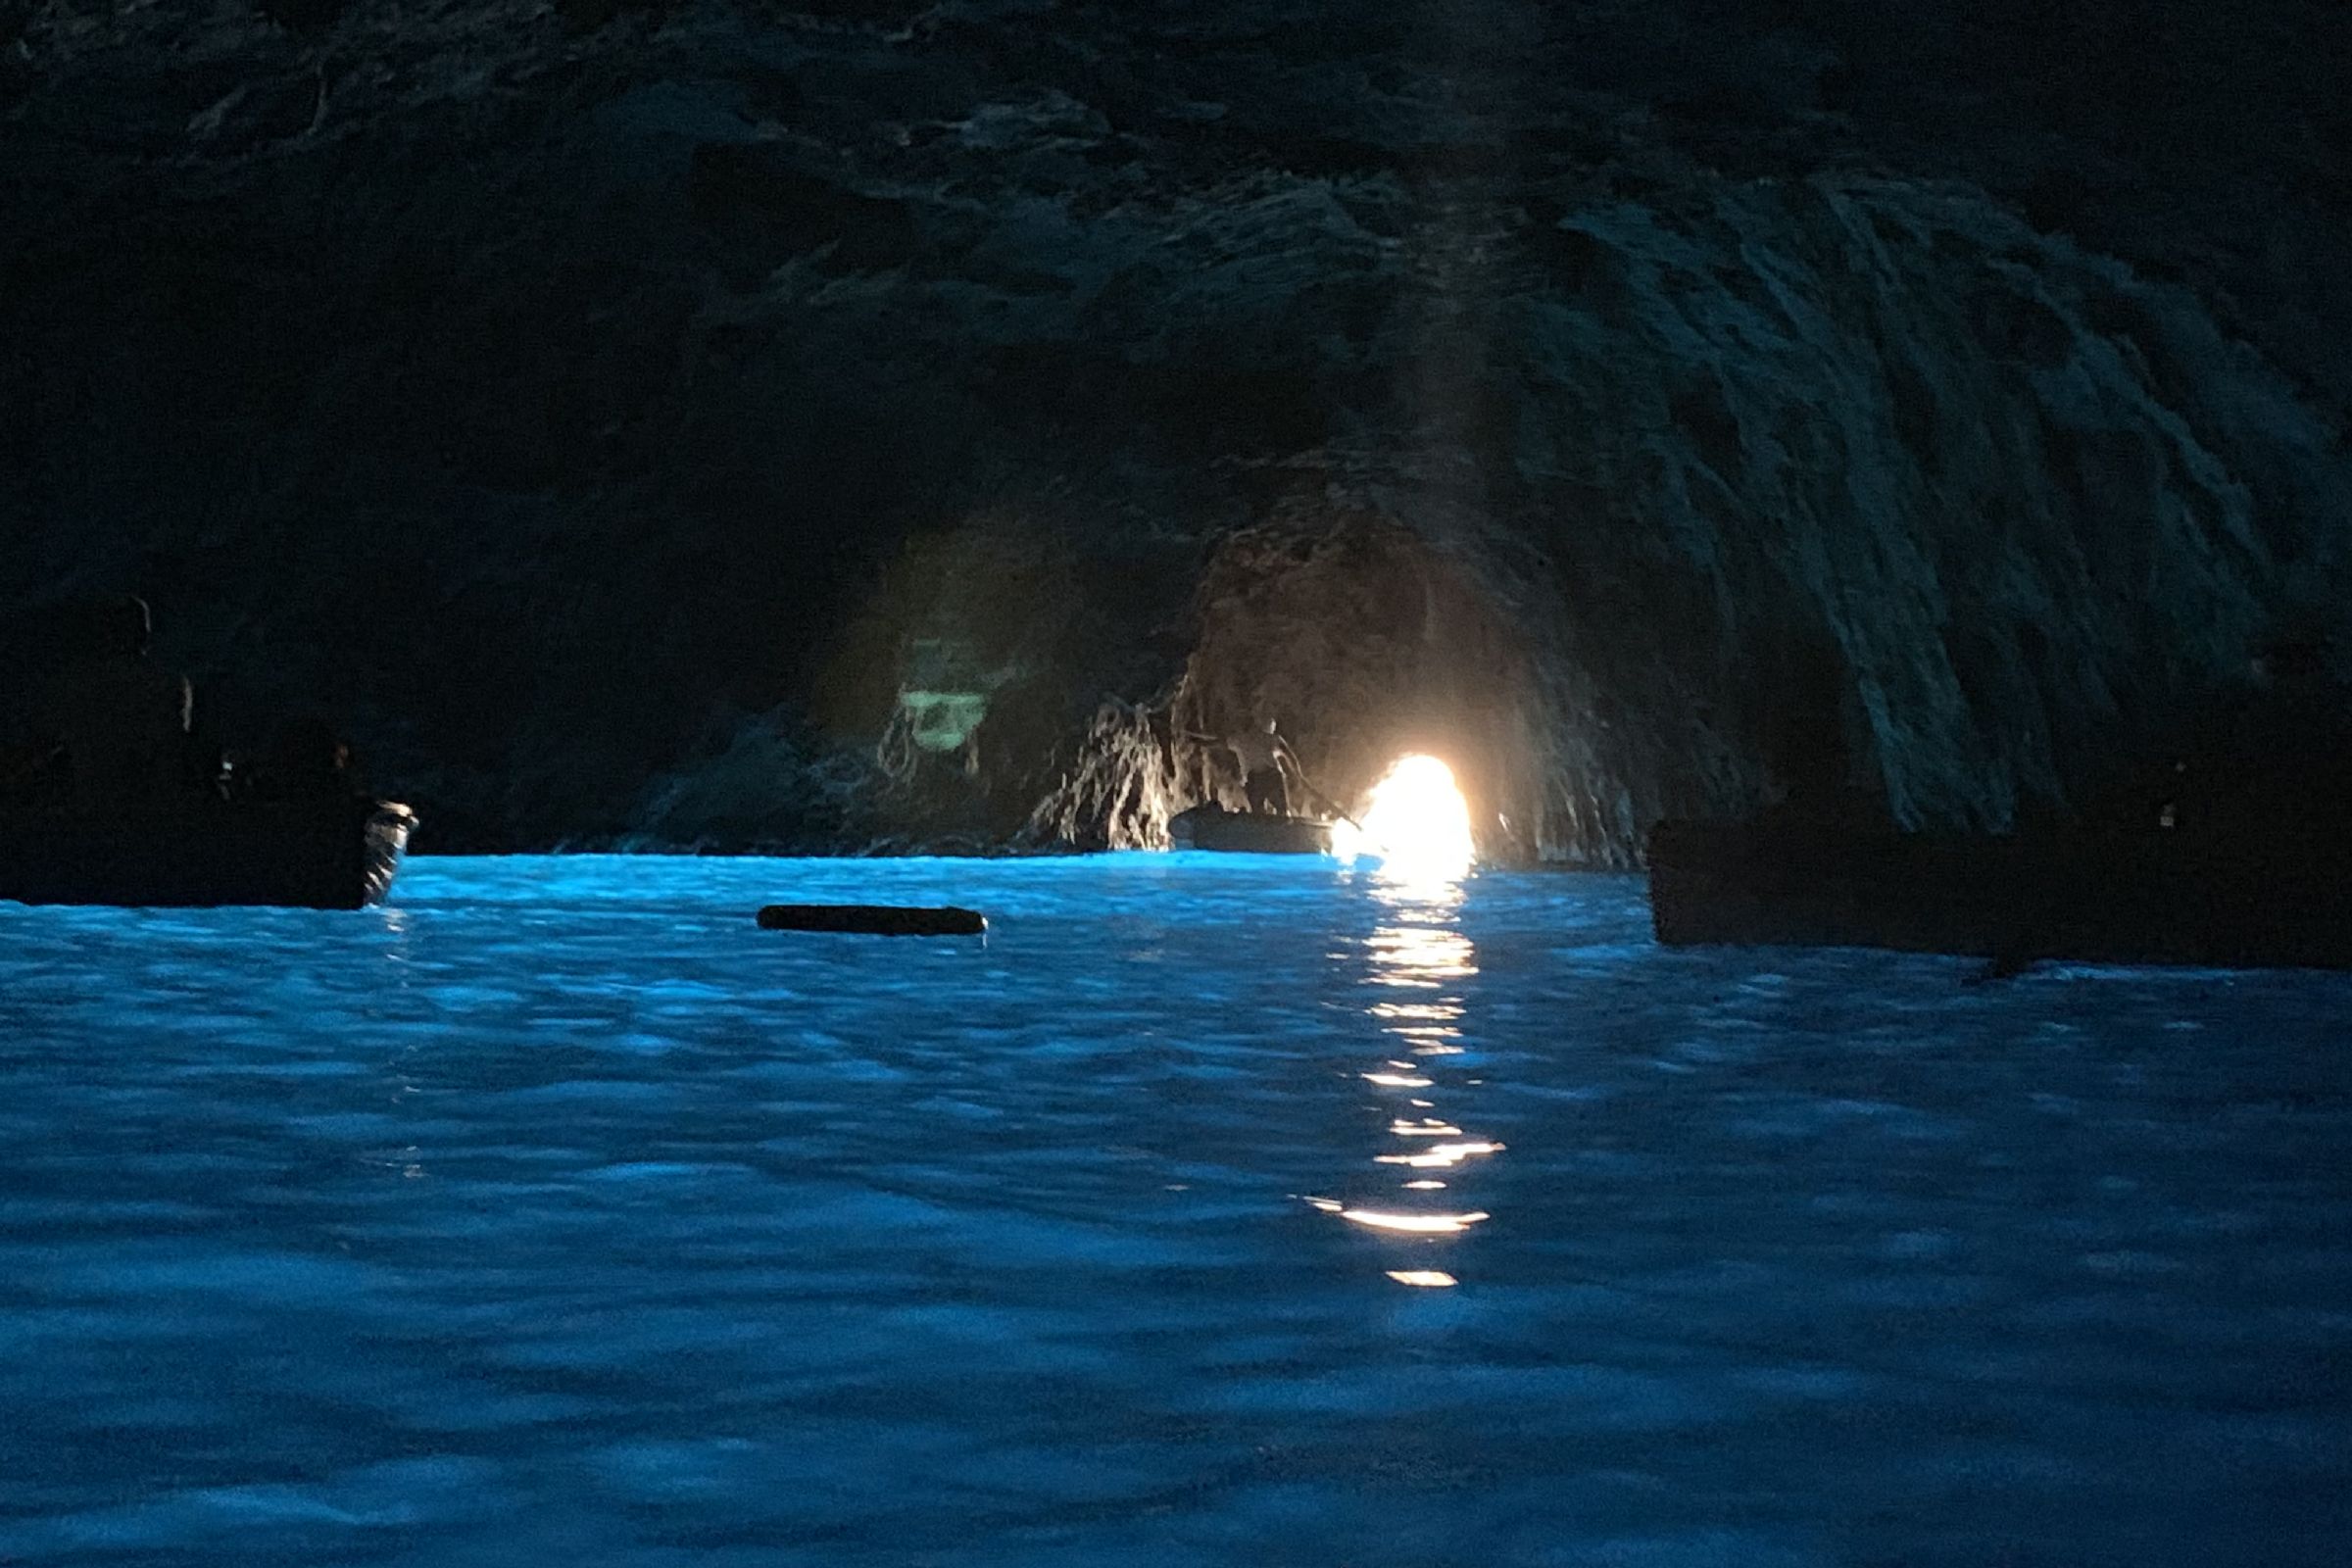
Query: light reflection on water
[[559, 1214], [1420, 947]]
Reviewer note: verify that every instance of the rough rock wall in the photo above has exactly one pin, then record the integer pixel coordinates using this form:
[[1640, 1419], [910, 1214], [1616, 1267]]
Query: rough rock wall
[[569, 397], [2025, 494]]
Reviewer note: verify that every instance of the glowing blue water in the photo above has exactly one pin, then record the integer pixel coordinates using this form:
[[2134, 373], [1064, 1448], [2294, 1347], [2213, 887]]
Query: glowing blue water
[[559, 1215]]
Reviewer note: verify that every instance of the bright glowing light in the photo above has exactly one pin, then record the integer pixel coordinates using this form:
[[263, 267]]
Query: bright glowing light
[[1416, 824], [1394, 1080], [1435, 1278], [1437, 1156], [1417, 1224]]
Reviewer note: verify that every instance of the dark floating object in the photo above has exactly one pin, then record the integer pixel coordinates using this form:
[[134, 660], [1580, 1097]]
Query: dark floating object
[[1213, 827], [338, 854], [2149, 896], [875, 919]]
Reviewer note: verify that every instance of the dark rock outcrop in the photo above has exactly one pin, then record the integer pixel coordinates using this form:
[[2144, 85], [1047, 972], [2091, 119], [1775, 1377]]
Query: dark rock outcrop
[[822, 425]]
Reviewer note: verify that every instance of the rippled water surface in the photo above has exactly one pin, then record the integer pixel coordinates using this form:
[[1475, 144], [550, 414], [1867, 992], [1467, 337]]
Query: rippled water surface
[[1209, 1210]]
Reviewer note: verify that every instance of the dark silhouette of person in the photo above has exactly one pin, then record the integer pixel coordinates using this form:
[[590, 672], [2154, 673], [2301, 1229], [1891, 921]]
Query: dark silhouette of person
[[2280, 760], [307, 762], [1805, 743], [1268, 764], [120, 725], [2262, 757]]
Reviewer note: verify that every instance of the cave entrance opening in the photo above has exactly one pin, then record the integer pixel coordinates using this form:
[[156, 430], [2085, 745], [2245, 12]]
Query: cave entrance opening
[[1390, 664], [1414, 821]]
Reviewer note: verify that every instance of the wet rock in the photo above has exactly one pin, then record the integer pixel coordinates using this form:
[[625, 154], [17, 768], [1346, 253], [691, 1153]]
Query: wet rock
[[255, 114]]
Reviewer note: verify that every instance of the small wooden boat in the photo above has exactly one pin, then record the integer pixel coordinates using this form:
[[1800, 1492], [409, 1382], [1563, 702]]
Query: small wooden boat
[[2144, 896], [338, 854], [875, 919], [1210, 826]]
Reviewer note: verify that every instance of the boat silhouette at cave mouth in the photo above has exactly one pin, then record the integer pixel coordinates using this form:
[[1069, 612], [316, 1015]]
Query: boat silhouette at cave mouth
[[1210, 826], [338, 854]]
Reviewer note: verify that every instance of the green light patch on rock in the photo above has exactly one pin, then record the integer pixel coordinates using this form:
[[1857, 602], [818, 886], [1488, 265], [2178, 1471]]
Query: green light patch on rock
[[942, 721]]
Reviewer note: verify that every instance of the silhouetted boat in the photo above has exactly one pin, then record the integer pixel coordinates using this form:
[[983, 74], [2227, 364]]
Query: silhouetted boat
[[1210, 826], [2148, 896], [328, 855], [875, 919]]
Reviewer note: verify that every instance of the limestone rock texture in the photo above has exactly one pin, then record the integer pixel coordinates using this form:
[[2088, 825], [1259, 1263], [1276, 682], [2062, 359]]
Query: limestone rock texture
[[862, 425]]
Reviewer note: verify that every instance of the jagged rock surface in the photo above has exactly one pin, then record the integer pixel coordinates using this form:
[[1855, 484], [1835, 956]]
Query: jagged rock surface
[[596, 404]]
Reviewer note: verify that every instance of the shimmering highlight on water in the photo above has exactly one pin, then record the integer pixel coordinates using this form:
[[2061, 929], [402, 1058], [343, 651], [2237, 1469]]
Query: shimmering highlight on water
[[558, 1214]]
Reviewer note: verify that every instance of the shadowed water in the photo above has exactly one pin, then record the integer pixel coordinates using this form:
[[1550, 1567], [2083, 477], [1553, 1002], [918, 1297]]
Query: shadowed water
[[559, 1214]]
